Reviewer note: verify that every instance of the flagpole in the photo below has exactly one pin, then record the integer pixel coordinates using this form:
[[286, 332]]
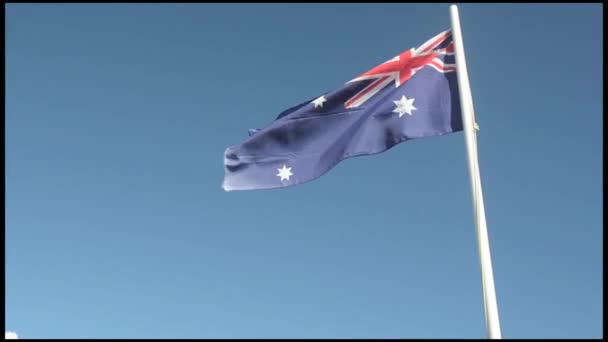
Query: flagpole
[[468, 121]]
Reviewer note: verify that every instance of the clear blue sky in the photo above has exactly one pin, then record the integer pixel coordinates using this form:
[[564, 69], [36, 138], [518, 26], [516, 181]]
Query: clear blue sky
[[117, 117]]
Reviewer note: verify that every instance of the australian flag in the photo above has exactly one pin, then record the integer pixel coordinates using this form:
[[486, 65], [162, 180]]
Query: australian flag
[[412, 95]]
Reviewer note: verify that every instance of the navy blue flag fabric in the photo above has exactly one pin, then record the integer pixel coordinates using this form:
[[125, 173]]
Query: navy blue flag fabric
[[412, 95]]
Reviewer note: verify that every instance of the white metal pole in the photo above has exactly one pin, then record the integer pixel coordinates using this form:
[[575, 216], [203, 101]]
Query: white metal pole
[[466, 105]]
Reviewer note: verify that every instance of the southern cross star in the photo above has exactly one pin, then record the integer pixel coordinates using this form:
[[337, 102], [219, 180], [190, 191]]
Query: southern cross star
[[319, 101], [404, 106], [284, 172]]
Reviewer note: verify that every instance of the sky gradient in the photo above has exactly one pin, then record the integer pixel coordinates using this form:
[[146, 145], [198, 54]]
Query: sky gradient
[[117, 117]]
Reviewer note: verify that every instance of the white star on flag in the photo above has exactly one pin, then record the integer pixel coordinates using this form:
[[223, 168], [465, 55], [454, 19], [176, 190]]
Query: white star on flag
[[284, 172], [319, 101], [404, 106]]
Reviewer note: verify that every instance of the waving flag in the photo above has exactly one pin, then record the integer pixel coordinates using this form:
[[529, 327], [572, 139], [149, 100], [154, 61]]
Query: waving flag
[[412, 95]]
